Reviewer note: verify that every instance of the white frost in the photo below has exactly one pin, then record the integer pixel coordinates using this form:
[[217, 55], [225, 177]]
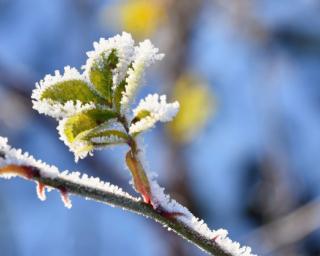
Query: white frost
[[111, 139], [94, 183], [145, 54], [59, 110], [159, 110]]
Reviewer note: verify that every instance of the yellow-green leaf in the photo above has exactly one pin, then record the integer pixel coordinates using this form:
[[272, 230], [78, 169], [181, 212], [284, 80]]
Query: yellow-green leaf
[[142, 114], [118, 95], [77, 126], [100, 75], [71, 90]]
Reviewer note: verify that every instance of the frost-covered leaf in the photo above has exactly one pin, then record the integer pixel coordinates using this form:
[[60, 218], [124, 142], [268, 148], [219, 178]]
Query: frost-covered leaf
[[150, 110], [85, 121], [71, 90], [122, 45], [145, 54], [101, 76], [71, 86], [109, 133], [75, 125], [73, 130]]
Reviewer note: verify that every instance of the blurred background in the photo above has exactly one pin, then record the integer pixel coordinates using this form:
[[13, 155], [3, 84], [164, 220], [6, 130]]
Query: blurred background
[[243, 153]]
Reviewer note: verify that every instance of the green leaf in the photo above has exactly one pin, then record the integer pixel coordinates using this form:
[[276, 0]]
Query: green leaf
[[118, 95], [141, 114], [101, 115], [71, 90], [77, 126], [101, 75]]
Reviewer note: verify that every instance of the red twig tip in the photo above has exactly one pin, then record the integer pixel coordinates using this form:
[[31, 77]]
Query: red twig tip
[[41, 192], [65, 197]]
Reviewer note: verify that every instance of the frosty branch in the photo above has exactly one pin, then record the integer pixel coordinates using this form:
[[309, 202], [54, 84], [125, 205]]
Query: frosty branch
[[93, 109], [14, 163]]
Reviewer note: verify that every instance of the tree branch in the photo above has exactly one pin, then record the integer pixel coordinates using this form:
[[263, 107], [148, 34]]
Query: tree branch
[[14, 163]]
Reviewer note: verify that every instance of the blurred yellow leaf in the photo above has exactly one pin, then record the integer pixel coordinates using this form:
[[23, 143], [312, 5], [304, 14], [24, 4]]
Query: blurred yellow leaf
[[141, 17], [196, 105]]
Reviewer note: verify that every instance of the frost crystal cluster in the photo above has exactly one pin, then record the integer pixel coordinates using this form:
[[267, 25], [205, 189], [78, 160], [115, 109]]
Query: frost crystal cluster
[[87, 104]]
